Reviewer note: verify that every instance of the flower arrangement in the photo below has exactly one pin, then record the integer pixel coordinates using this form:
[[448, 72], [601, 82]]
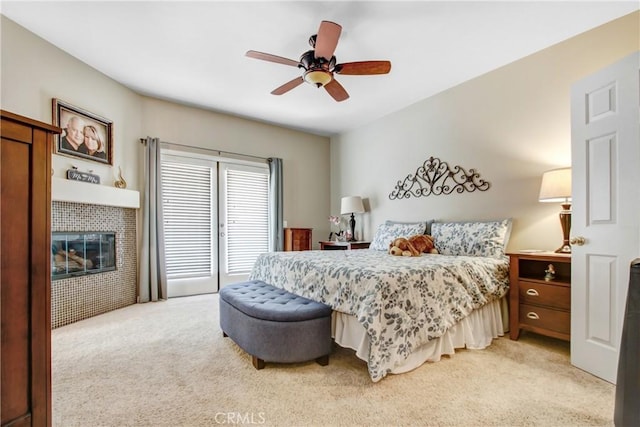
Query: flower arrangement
[[335, 221]]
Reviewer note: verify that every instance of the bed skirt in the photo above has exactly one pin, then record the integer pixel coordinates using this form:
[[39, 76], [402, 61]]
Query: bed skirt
[[476, 331]]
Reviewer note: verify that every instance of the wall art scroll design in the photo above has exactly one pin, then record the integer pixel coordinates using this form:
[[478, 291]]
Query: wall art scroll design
[[437, 177]]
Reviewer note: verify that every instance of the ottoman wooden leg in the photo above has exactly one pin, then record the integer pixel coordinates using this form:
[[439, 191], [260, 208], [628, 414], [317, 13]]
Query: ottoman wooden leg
[[257, 363], [323, 360]]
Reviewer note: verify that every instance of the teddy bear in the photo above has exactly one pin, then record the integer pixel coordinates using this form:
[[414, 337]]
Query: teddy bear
[[413, 246], [402, 247], [423, 243]]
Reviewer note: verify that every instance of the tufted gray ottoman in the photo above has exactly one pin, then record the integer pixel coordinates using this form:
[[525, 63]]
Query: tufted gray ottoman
[[274, 325]]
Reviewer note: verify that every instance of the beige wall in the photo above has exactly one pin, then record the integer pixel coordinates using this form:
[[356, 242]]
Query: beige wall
[[33, 72], [305, 157], [510, 125]]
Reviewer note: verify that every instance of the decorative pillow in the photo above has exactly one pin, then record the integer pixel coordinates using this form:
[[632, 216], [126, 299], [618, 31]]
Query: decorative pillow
[[387, 233], [480, 238], [427, 223]]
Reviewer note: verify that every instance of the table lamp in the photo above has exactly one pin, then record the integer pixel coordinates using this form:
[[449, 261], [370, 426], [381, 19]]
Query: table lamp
[[351, 205], [556, 188]]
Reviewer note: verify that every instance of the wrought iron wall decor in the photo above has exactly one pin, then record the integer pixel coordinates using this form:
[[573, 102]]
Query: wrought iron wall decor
[[437, 177]]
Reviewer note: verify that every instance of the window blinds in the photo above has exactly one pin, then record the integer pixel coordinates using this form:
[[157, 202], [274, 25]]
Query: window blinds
[[188, 219], [247, 194]]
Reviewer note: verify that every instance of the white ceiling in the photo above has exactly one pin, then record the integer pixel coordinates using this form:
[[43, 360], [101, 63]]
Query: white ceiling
[[193, 52]]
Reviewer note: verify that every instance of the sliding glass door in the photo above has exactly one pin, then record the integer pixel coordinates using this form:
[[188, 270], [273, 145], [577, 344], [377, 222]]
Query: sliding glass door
[[244, 219], [216, 220], [189, 198]]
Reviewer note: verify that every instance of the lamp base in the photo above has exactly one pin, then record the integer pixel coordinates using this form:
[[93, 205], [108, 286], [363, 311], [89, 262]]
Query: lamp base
[[352, 224], [565, 222]]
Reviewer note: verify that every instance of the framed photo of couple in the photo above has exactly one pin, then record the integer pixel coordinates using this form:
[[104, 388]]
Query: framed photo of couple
[[84, 135]]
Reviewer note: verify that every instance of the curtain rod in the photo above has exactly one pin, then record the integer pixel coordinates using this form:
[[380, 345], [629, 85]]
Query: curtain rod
[[218, 152]]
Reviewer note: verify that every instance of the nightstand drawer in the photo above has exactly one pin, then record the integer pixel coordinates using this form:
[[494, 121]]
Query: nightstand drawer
[[332, 246], [545, 318], [553, 296]]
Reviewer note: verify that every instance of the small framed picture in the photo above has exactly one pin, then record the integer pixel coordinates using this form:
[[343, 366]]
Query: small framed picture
[[84, 135]]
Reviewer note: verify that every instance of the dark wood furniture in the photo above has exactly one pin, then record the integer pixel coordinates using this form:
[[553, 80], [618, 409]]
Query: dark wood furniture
[[537, 304], [332, 245], [297, 239], [25, 276]]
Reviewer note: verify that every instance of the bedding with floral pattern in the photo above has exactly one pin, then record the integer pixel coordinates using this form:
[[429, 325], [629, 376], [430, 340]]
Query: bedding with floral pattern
[[402, 302], [472, 238]]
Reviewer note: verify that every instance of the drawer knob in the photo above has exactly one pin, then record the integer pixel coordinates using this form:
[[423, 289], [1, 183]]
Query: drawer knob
[[532, 292], [533, 315]]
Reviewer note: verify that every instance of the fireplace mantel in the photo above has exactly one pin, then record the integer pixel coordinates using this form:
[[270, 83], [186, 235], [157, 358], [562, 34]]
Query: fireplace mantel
[[65, 190]]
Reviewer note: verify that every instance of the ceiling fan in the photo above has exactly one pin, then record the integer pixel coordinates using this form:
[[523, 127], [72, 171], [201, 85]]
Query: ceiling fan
[[320, 65]]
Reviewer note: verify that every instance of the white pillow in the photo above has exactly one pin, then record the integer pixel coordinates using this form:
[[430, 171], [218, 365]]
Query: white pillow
[[387, 233], [473, 238]]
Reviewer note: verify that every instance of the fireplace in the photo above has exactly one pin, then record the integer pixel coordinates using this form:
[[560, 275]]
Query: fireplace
[[80, 253], [76, 296]]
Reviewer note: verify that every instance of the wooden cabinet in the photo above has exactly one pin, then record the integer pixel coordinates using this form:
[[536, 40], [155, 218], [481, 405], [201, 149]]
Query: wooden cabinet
[[25, 276], [332, 245], [297, 239], [539, 302]]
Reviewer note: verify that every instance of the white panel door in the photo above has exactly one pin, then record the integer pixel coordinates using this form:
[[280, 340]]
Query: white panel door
[[605, 143]]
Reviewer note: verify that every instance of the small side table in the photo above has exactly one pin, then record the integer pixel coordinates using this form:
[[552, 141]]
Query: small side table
[[537, 303], [343, 246]]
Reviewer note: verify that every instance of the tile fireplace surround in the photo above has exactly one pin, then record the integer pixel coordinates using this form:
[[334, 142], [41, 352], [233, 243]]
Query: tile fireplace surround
[[77, 298], [81, 297]]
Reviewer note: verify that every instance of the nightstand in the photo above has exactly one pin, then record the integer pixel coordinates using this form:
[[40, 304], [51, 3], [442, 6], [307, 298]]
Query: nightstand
[[344, 246], [538, 304]]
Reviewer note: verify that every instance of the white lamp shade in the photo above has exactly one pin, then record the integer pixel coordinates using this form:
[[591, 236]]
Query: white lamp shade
[[351, 204], [556, 186]]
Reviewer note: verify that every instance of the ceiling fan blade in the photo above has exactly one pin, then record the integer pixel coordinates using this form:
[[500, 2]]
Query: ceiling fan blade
[[327, 39], [363, 68], [288, 86], [336, 90], [271, 58]]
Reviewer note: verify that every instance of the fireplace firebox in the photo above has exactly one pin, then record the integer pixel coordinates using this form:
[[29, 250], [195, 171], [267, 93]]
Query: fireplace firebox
[[80, 253]]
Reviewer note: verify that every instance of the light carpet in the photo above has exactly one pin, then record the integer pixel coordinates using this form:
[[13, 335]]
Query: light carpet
[[167, 364]]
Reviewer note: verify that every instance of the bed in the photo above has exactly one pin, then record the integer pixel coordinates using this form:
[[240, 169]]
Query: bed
[[399, 312]]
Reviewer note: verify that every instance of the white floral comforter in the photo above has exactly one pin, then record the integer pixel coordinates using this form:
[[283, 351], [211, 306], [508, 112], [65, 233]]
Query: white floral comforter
[[402, 302]]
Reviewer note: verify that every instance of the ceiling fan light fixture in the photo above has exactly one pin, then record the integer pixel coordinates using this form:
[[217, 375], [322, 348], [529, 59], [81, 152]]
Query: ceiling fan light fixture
[[320, 64], [317, 78]]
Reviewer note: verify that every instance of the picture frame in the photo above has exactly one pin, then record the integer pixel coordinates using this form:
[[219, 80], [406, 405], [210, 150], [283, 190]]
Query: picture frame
[[85, 135]]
